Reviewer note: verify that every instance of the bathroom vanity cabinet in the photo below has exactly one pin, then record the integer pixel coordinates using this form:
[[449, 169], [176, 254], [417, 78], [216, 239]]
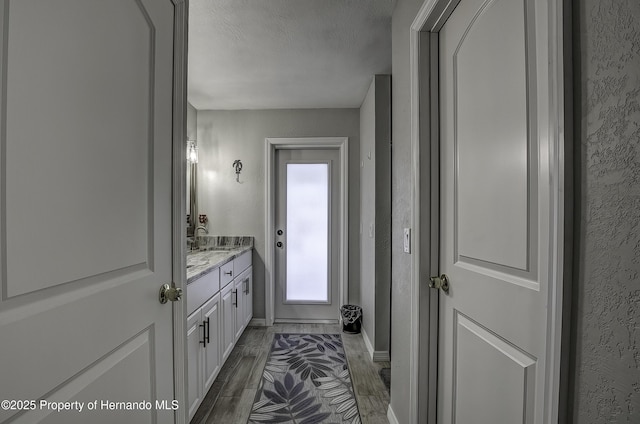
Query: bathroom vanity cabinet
[[203, 341], [227, 296], [219, 308], [242, 288]]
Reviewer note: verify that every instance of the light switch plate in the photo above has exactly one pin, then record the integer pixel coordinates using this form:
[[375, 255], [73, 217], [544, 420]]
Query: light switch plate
[[407, 240]]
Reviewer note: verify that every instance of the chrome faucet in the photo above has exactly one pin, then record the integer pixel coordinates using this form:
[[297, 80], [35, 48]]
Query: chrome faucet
[[191, 243], [194, 244]]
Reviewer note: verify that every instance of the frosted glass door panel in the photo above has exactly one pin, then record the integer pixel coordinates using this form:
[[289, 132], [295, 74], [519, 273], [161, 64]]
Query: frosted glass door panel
[[307, 239]]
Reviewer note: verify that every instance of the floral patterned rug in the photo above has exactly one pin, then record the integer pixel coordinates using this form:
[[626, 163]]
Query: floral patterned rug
[[306, 381]]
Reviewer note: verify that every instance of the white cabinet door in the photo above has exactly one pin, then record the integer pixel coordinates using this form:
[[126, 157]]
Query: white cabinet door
[[238, 288], [194, 362], [248, 296], [227, 298], [211, 318]]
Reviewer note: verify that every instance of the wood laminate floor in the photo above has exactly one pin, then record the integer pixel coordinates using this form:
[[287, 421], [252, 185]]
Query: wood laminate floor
[[231, 396]]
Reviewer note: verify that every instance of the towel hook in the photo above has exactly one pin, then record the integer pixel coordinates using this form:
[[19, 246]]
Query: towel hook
[[238, 165]]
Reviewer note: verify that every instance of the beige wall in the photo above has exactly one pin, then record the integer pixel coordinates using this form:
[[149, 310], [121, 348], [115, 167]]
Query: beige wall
[[239, 208]]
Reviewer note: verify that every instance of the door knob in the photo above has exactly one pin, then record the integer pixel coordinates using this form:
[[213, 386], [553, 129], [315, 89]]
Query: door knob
[[279, 244], [279, 232], [441, 282], [170, 293]]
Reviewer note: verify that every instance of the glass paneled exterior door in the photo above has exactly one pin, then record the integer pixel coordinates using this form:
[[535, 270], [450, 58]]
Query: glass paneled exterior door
[[306, 228]]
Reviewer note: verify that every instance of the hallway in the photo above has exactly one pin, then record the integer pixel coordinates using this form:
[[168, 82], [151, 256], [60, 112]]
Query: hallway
[[230, 398]]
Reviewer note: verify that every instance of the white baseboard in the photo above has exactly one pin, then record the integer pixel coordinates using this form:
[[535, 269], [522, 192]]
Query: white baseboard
[[391, 416], [375, 355], [258, 322], [367, 342]]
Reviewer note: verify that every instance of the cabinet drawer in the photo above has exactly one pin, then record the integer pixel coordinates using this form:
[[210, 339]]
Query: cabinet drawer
[[242, 262], [226, 274], [201, 290]]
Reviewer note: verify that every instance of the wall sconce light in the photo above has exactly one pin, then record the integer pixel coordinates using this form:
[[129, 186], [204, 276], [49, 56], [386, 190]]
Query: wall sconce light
[[192, 151]]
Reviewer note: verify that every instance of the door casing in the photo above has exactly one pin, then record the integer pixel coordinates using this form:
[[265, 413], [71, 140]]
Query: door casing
[[424, 66], [178, 181], [271, 145]]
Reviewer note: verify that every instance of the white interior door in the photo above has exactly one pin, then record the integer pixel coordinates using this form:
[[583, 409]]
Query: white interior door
[[495, 215], [307, 234], [85, 212]]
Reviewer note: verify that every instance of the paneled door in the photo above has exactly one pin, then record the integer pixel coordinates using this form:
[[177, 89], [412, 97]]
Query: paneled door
[[495, 215], [86, 211], [306, 234]]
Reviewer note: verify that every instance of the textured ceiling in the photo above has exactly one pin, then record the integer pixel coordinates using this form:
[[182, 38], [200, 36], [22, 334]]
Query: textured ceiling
[[276, 54]]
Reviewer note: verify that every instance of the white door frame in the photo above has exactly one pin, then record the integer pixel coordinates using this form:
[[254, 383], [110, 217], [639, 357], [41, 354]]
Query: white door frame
[[179, 174], [271, 145], [425, 197]]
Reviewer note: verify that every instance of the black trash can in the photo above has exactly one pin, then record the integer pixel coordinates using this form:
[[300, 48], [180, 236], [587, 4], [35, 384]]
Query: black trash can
[[351, 319]]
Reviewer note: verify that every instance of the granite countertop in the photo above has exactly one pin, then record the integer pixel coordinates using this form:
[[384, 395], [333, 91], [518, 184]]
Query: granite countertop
[[202, 262]]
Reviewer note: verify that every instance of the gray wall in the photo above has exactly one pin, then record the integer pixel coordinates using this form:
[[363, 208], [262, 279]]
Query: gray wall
[[239, 208], [367, 212], [375, 212], [605, 363], [606, 376], [403, 15]]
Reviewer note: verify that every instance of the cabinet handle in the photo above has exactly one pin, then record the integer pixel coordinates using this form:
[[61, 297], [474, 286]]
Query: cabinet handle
[[204, 337], [228, 273], [208, 330], [236, 301], [246, 285]]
